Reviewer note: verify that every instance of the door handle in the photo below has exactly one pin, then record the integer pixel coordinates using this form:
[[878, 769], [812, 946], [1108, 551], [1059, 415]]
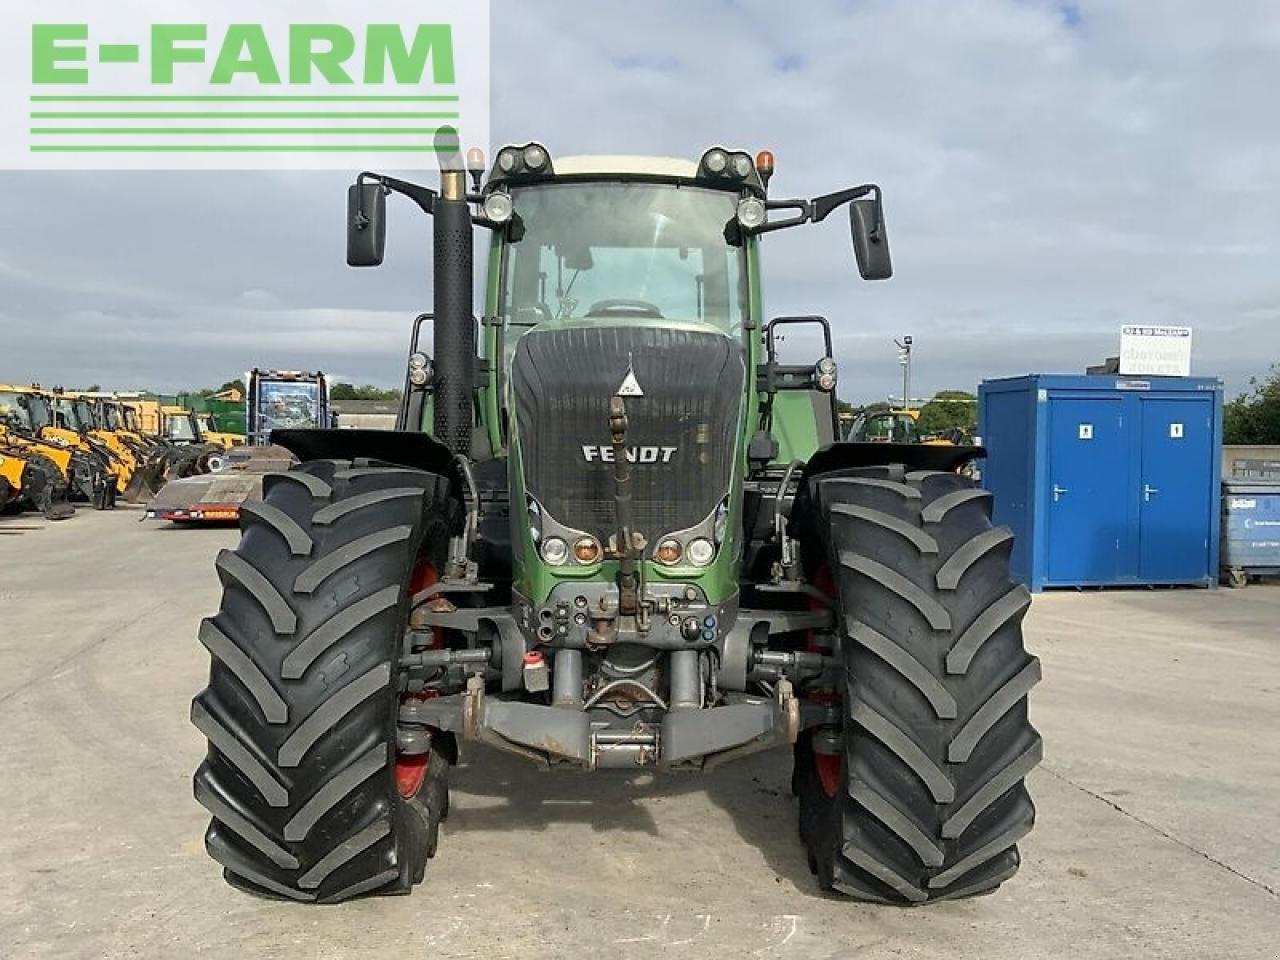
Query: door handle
[[1147, 492], [1058, 492]]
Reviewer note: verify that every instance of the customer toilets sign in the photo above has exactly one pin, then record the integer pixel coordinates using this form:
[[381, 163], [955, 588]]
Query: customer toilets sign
[[1155, 351], [242, 84]]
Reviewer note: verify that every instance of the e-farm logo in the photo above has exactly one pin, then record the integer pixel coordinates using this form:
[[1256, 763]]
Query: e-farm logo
[[234, 84]]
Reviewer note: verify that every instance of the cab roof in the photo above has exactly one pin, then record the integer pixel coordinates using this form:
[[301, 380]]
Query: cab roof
[[626, 165]]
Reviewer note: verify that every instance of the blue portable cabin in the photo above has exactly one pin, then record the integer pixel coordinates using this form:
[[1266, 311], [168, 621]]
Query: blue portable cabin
[[1105, 480]]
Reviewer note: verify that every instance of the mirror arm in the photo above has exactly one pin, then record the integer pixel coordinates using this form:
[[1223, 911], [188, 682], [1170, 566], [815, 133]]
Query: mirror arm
[[818, 209], [804, 216], [424, 197], [827, 202]]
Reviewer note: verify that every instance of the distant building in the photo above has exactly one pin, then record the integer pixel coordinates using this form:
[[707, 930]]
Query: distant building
[[366, 414]]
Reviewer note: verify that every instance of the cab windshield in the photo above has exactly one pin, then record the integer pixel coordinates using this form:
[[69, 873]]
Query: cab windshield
[[623, 250], [22, 411], [68, 415], [180, 427]]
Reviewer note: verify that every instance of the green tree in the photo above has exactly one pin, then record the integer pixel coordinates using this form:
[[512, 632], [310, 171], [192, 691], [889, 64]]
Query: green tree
[[1254, 416], [236, 384], [349, 391], [949, 410]]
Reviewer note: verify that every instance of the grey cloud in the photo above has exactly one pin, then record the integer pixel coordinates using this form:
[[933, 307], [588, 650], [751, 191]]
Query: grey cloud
[[1051, 171]]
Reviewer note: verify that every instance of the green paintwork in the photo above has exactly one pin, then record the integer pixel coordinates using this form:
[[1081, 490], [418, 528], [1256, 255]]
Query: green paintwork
[[793, 421], [794, 426]]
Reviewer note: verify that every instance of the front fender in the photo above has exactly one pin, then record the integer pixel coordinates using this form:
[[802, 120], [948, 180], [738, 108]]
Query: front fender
[[846, 455], [420, 451]]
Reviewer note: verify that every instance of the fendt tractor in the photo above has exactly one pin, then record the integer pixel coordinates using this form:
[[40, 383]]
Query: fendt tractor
[[615, 533]]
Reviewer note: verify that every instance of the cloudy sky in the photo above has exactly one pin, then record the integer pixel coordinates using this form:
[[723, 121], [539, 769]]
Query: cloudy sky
[[1051, 170]]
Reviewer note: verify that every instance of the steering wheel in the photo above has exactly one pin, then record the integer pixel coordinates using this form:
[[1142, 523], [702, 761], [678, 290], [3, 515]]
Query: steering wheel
[[624, 308]]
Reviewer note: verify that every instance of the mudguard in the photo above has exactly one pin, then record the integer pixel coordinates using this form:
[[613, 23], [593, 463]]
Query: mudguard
[[420, 451], [847, 455]]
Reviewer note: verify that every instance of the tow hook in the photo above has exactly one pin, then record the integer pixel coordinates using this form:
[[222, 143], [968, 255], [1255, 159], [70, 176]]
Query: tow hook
[[789, 707]]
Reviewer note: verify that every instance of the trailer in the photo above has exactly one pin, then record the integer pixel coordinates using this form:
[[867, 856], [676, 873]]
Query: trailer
[[274, 400]]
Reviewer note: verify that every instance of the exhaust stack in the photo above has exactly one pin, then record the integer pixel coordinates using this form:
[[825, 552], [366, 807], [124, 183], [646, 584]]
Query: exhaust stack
[[454, 334]]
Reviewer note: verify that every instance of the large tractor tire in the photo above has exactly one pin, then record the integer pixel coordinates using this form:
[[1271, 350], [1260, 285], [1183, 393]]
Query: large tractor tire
[[920, 795], [309, 799]]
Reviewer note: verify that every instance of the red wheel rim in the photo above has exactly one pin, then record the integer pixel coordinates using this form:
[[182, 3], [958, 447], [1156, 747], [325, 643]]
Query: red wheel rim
[[411, 768], [425, 575], [411, 771], [827, 766]]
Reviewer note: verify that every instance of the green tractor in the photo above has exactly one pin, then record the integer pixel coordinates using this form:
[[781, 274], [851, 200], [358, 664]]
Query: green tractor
[[614, 532]]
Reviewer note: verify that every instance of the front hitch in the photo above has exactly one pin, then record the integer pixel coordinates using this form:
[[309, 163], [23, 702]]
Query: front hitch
[[628, 590]]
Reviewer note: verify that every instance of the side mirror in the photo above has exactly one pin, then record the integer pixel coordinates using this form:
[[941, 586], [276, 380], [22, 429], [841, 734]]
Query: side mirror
[[366, 224], [870, 241]]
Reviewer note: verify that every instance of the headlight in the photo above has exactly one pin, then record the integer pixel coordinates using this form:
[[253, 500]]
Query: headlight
[[586, 550], [535, 158], [508, 159], [668, 552], [826, 379], [555, 551], [741, 165], [717, 161], [419, 369], [497, 207], [751, 212], [701, 552]]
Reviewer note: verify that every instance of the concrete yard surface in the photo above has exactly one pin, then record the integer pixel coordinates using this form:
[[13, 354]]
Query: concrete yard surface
[[1158, 828]]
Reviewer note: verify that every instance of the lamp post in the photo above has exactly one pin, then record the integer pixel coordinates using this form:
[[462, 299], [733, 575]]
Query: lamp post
[[904, 358]]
